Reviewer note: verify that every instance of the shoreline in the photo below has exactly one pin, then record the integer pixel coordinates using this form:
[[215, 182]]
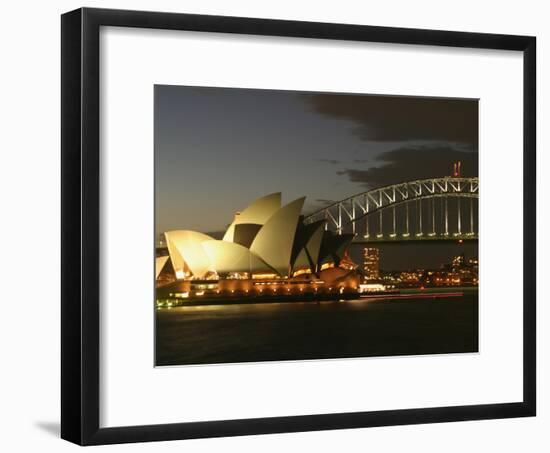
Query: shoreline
[[429, 293]]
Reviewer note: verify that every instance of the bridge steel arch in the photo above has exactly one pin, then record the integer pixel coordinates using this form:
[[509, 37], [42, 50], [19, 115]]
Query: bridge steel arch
[[345, 213]]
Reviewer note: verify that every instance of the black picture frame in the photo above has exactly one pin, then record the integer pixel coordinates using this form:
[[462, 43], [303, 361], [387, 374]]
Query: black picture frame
[[80, 264]]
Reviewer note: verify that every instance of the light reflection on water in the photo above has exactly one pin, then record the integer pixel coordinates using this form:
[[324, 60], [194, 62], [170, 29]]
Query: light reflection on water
[[292, 305], [248, 332], [263, 306]]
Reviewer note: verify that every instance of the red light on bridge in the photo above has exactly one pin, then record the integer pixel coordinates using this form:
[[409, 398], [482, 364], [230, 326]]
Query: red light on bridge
[[456, 169]]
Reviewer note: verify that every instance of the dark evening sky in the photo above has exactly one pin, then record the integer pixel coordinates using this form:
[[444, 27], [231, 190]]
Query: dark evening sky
[[218, 149]]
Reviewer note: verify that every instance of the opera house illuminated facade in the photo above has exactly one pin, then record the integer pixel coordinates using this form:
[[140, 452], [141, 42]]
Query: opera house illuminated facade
[[267, 251]]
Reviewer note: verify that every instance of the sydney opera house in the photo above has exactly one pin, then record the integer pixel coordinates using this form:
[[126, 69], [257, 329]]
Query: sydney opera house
[[266, 252]]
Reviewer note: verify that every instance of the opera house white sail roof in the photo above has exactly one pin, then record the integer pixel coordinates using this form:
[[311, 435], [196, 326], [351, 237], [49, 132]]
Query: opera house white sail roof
[[265, 238]]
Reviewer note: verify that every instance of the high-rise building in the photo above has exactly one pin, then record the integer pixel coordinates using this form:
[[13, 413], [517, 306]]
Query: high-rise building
[[371, 263]]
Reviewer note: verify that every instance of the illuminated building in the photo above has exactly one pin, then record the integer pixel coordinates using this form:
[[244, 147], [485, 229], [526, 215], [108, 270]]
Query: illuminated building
[[161, 242], [371, 263], [266, 245], [457, 273], [411, 278], [372, 288], [164, 271], [160, 262], [458, 262]]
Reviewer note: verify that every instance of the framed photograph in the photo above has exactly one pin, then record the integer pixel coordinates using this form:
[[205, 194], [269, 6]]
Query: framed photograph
[[274, 226]]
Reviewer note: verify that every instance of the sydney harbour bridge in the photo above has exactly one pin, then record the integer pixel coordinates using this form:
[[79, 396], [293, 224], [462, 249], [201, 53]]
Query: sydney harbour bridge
[[435, 209]]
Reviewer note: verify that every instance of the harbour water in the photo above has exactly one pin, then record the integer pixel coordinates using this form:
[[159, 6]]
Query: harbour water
[[419, 322]]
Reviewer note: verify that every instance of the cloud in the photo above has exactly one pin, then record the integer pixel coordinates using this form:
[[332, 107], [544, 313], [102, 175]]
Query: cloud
[[402, 118], [330, 161], [415, 162], [324, 201]]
